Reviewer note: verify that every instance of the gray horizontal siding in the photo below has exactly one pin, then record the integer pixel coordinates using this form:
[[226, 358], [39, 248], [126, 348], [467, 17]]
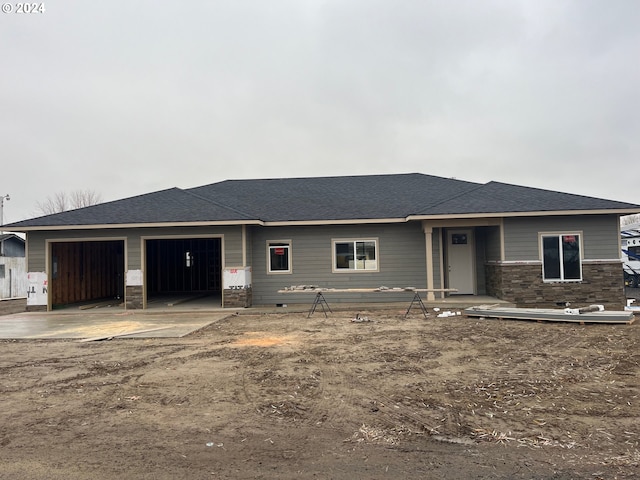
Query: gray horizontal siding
[[600, 235], [491, 243], [36, 242], [401, 262], [480, 235]]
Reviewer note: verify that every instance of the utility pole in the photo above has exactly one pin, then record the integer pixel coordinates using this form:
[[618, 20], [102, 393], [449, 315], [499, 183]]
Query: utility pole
[[2, 199]]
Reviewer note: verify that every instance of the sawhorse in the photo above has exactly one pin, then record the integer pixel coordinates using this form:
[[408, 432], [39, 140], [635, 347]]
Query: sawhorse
[[319, 300], [417, 300]]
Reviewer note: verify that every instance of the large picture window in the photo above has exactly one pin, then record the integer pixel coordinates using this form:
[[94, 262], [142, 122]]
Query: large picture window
[[561, 257], [359, 255], [279, 257]]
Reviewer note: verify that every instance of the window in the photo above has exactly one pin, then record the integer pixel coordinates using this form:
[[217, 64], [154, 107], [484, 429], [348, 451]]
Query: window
[[279, 257], [561, 257], [349, 255], [459, 238]]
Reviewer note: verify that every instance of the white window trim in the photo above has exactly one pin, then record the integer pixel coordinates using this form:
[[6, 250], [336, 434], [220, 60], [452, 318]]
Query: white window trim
[[353, 240], [279, 272], [560, 234]]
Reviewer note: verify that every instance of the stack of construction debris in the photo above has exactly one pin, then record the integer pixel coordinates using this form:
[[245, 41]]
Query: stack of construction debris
[[446, 313], [295, 288], [360, 319]]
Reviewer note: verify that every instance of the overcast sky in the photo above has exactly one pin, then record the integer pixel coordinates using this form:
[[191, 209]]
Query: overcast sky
[[130, 97]]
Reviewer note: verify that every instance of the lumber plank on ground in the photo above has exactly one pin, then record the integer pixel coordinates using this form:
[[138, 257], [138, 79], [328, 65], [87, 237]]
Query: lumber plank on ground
[[123, 334], [365, 290], [102, 303], [550, 315]]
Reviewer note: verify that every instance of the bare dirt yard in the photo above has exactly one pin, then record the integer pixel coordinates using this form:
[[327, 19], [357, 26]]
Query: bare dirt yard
[[290, 397]]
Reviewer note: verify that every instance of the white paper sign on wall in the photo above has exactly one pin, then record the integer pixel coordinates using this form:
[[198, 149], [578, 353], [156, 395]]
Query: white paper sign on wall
[[134, 278], [37, 288], [236, 278]]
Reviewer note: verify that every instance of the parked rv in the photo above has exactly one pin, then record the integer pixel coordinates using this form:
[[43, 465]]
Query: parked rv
[[631, 255]]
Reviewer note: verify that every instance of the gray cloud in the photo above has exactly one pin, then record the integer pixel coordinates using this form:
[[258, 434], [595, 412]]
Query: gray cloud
[[130, 97]]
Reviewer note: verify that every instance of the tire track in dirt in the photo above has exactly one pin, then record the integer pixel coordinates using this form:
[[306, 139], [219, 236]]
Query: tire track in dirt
[[284, 387], [94, 369]]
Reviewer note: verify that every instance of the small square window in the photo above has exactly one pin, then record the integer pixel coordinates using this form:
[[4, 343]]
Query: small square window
[[459, 238], [279, 257]]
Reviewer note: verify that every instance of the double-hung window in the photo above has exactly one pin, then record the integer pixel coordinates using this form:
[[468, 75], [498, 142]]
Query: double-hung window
[[561, 260], [355, 255], [279, 256]]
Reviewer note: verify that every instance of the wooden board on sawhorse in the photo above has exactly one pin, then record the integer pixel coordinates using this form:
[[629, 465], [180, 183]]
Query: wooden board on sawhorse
[[417, 301], [319, 300]]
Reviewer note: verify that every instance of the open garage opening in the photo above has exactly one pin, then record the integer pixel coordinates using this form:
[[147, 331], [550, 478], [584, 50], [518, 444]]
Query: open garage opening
[[87, 273], [183, 272]]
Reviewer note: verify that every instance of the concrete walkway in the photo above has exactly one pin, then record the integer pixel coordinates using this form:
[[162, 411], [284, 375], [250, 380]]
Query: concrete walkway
[[105, 324], [177, 321]]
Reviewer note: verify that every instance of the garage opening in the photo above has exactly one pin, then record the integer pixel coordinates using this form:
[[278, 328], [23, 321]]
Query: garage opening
[[87, 273], [184, 270]]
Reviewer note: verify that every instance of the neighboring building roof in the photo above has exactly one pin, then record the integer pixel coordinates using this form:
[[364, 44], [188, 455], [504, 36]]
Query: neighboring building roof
[[6, 236], [326, 199], [11, 245]]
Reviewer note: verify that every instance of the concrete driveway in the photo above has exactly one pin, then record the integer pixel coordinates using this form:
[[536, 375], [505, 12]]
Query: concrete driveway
[[104, 324]]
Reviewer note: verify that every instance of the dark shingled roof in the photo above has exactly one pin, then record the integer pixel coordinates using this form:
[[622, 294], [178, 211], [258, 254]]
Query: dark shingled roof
[[496, 197], [371, 197], [172, 205], [335, 198]]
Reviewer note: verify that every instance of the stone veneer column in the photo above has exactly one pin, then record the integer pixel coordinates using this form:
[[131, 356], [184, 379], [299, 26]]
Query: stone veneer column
[[237, 297], [133, 297], [36, 308]]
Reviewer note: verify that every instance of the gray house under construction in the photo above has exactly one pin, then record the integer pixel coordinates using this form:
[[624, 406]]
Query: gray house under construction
[[239, 242]]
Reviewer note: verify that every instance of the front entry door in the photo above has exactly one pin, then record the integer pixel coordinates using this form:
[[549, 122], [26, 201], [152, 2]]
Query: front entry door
[[460, 261]]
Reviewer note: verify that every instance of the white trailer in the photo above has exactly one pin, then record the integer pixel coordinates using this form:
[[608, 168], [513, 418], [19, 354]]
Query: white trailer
[[631, 255]]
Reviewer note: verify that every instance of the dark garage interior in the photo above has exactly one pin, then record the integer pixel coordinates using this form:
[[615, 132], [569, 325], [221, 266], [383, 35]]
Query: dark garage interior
[[183, 269], [85, 272]]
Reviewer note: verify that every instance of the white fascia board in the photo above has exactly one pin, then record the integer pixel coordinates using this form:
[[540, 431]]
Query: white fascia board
[[353, 221], [357, 221], [541, 213], [139, 225]]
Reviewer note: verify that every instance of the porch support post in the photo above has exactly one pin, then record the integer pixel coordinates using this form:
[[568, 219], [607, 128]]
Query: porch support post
[[244, 245], [428, 241]]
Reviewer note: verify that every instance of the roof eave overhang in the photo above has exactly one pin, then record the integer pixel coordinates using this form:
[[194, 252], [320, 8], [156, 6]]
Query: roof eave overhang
[[352, 221], [541, 213], [136, 225], [465, 216]]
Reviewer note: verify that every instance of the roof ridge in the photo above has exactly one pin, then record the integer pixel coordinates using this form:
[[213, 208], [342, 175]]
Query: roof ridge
[[453, 197], [218, 204]]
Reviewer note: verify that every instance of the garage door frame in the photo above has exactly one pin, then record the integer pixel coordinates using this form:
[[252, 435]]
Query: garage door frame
[[143, 253], [49, 259]]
